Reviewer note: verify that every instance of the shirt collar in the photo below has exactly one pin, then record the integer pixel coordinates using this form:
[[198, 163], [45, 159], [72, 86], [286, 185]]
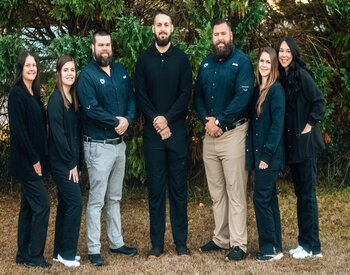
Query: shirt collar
[[168, 52]]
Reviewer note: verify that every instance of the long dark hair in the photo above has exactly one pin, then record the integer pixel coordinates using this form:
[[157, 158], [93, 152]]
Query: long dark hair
[[19, 72], [73, 89], [291, 80]]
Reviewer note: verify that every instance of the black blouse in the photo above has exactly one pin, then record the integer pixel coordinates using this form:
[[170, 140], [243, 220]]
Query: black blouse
[[64, 135], [28, 141]]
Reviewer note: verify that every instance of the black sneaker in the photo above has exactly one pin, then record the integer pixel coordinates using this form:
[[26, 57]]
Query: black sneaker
[[125, 250], [183, 251], [155, 252], [209, 247], [265, 258], [41, 263], [96, 260], [236, 254]]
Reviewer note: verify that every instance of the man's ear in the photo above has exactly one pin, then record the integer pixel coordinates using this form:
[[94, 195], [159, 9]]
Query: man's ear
[[172, 27], [153, 28]]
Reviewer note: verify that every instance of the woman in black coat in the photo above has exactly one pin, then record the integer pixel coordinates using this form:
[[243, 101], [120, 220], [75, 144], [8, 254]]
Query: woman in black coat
[[64, 152], [27, 161], [266, 154], [305, 108]]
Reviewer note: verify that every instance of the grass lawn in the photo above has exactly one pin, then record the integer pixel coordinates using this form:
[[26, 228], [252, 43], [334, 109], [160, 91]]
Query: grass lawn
[[334, 212]]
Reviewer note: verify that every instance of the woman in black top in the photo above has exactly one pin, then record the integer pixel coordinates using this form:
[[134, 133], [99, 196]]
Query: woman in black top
[[305, 107], [64, 153], [27, 161], [266, 155]]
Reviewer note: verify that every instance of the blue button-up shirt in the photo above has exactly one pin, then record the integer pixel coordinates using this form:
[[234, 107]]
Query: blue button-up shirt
[[103, 97], [224, 88]]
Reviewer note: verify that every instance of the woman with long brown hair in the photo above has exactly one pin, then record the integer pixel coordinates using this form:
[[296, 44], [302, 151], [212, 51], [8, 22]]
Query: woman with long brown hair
[[64, 153], [266, 153]]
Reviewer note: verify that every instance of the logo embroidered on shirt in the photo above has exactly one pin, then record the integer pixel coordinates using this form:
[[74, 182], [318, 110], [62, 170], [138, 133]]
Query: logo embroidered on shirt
[[205, 65], [102, 81], [245, 88], [235, 64], [124, 76]]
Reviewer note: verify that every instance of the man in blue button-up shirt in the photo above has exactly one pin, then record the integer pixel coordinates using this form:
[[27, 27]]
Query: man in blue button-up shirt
[[223, 90], [108, 108]]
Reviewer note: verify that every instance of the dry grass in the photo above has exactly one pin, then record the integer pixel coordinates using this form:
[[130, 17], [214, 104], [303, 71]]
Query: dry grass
[[335, 237]]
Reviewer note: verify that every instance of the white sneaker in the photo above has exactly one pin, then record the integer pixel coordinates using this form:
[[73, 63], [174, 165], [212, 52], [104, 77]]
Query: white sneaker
[[302, 254], [296, 250], [68, 263], [318, 255], [77, 258]]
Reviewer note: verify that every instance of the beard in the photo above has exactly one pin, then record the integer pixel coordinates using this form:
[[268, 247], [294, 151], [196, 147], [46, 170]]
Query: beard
[[162, 42], [103, 61], [223, 52]]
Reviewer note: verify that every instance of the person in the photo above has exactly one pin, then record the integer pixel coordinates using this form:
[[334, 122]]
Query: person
[[28, 159], [305, 107], [265, 153], [108, 108], [163, 80], [64, 155], [223, 90]]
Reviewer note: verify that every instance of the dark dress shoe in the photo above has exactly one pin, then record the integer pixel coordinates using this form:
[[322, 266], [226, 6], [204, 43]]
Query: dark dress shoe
[[155, 252], [183, 251], [96, 260], [128, 251]]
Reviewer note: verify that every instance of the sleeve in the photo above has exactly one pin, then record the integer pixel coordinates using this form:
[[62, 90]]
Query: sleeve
[[185, 87], [90, 105], [314, 96], [131, 103], [143, 100], [275, 133], [199, 99], [18, 130], [244, 88], [58, 136]]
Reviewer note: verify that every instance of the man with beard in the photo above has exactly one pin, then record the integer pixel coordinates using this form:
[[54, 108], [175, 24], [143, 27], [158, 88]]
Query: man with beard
[[223, 90], [108, 107], [163, 80]]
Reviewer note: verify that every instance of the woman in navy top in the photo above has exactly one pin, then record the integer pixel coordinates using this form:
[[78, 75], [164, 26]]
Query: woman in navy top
[[266, 154], [64, 153], [27, 161]]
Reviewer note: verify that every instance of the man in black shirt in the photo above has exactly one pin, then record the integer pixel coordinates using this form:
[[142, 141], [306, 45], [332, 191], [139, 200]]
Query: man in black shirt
[[108, 107], [163, 82]]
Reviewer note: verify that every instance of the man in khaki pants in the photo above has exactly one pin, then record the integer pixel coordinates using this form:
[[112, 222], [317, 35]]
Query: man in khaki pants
[[223, 90]]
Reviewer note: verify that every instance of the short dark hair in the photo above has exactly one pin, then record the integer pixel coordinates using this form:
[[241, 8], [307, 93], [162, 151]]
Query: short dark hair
[[162, 11], [100, 32], [221, 21]]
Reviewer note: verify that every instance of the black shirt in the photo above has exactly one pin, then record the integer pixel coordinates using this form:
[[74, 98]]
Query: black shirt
[[104, 97], [28, 141], [64, 135], [163, 83]]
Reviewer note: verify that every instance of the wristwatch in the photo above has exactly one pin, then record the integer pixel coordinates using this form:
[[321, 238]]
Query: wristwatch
[[217, 123]]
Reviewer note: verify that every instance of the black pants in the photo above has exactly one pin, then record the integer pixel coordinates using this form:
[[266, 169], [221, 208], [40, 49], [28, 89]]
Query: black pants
[[166, 167], [304, 176], [267, 212], [68, 217], [32, 222]]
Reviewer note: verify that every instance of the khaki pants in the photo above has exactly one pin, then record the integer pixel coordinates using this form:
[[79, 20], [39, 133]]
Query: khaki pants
[[224, 160]]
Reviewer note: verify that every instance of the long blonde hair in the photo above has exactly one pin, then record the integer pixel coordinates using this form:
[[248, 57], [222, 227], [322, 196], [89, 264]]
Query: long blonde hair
[[271, 79]]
